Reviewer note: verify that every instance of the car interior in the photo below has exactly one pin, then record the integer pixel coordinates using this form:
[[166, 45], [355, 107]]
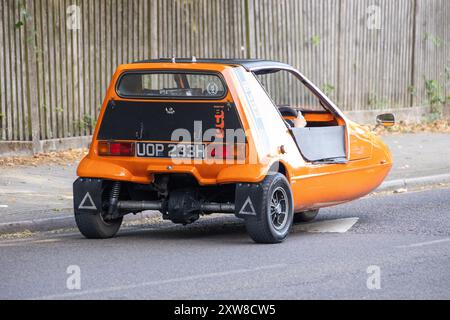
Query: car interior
[[322, 138]]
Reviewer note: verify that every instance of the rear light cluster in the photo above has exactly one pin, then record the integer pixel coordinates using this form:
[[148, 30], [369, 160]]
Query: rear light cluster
[[236, 151], [112, 148], [128, 149]]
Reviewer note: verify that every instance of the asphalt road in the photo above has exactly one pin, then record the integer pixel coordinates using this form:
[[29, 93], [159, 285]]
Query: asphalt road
[[404, 236]]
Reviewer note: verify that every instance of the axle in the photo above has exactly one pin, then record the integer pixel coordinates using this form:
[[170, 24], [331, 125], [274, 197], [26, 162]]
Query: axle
[[206, 207]]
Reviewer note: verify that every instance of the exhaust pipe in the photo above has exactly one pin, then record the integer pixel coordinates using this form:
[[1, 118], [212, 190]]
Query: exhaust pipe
[[206, 207]]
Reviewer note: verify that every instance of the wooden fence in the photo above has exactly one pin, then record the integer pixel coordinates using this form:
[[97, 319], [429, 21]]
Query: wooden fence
[[57, 56]]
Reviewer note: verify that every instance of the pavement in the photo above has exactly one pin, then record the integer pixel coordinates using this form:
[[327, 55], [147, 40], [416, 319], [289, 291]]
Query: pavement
[[40, 198], [419, 155], [387, 246]]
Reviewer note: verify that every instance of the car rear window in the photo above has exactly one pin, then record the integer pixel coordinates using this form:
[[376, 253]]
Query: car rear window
[[167, 84]]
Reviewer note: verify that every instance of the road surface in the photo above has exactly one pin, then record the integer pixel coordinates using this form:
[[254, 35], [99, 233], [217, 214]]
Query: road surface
[[393, 246]]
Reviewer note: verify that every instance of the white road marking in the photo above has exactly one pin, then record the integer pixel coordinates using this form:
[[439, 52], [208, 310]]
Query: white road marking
[[427, 243], [8, 191], [29, 192], [3, 206], [27, 242], [158, 282], [332, 226]]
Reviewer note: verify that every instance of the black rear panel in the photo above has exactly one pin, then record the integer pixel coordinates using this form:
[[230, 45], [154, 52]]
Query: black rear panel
[[155, 121]]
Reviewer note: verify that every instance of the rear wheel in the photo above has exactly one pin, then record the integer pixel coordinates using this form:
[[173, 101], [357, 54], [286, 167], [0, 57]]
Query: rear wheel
[[93, 226], [273, 224], [305, 216]]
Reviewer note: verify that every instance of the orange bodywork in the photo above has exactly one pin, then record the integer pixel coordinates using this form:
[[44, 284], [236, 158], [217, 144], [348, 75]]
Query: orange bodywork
[[313, 185]]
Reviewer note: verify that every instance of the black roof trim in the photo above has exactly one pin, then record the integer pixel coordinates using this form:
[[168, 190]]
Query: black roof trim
[[248, 64]]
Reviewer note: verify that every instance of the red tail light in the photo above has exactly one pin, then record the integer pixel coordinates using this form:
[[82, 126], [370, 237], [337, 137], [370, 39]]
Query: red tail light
[[112, 148], [219, 152], [237, 152]]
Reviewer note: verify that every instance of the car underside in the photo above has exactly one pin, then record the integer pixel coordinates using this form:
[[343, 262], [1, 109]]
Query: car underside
[[178, 197]]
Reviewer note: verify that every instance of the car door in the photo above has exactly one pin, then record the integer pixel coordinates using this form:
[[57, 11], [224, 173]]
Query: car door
[[329, 144]]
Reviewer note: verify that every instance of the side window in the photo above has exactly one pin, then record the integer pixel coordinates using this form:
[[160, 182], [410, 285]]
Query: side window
[[286, 89]]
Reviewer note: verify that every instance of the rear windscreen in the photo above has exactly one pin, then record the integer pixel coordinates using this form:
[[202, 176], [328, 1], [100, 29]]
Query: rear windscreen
[[159, 84], [156, 121]]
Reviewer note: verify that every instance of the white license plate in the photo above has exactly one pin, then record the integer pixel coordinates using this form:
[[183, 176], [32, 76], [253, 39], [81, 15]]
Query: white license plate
[[170, 150]]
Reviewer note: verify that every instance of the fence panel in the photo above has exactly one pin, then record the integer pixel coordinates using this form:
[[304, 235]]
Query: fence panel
[[57, 56]]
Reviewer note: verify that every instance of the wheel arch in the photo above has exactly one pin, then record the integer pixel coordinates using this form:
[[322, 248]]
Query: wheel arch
[[280, 167]]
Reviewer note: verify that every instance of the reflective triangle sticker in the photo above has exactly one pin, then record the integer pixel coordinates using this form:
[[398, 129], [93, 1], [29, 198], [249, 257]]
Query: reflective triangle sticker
[[87, 203], [248, 208]]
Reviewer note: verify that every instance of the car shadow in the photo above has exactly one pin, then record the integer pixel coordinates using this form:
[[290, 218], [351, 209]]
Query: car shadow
[[218, 228]]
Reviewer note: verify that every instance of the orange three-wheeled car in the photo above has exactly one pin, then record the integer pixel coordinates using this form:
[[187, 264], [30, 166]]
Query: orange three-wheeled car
[[253, 138]]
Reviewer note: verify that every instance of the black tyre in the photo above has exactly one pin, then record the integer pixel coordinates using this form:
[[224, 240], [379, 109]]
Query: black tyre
[[277, 211], [305, 216], [93, 226]]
